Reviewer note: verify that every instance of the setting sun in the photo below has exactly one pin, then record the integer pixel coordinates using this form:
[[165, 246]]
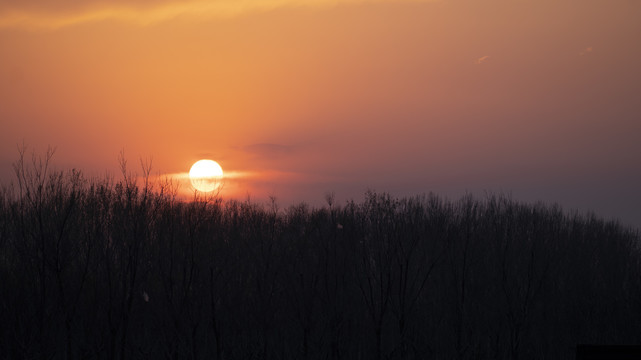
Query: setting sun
[[205, 175], [402, 179]]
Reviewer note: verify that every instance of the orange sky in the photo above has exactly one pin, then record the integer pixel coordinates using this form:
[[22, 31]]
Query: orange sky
[[537, 98]]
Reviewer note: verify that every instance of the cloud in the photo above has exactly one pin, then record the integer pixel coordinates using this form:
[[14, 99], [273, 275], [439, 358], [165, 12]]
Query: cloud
[[235, 184], [180, 176], [269, 149], [179, 182], [482, 59], [42, 15], [586, 51]]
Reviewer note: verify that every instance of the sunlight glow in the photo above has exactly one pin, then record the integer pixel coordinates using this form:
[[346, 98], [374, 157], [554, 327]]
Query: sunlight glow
[[206, 175]]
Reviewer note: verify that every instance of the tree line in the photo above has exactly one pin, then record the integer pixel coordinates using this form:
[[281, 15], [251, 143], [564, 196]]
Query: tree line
[[105, 269]]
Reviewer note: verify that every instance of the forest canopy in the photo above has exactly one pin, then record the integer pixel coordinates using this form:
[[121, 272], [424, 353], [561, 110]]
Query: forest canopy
[[110, 269]]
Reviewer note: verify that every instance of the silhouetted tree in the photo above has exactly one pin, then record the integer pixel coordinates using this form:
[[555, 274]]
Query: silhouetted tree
[[98, 268]]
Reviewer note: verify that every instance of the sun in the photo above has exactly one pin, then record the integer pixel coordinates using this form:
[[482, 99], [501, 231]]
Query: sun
[[206, 175]]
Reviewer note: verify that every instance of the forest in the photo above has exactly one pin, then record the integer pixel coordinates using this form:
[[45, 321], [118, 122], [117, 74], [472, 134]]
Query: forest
[[97, 268]]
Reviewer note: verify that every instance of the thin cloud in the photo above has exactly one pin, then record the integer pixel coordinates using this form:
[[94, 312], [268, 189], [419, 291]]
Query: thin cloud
[[482, 59], [180, 183], [586, 51], [269, 149], [235, 184], [155, 12], [226, 175]]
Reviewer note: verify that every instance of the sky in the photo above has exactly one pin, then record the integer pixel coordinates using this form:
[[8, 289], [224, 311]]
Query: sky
[[539, 99]]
